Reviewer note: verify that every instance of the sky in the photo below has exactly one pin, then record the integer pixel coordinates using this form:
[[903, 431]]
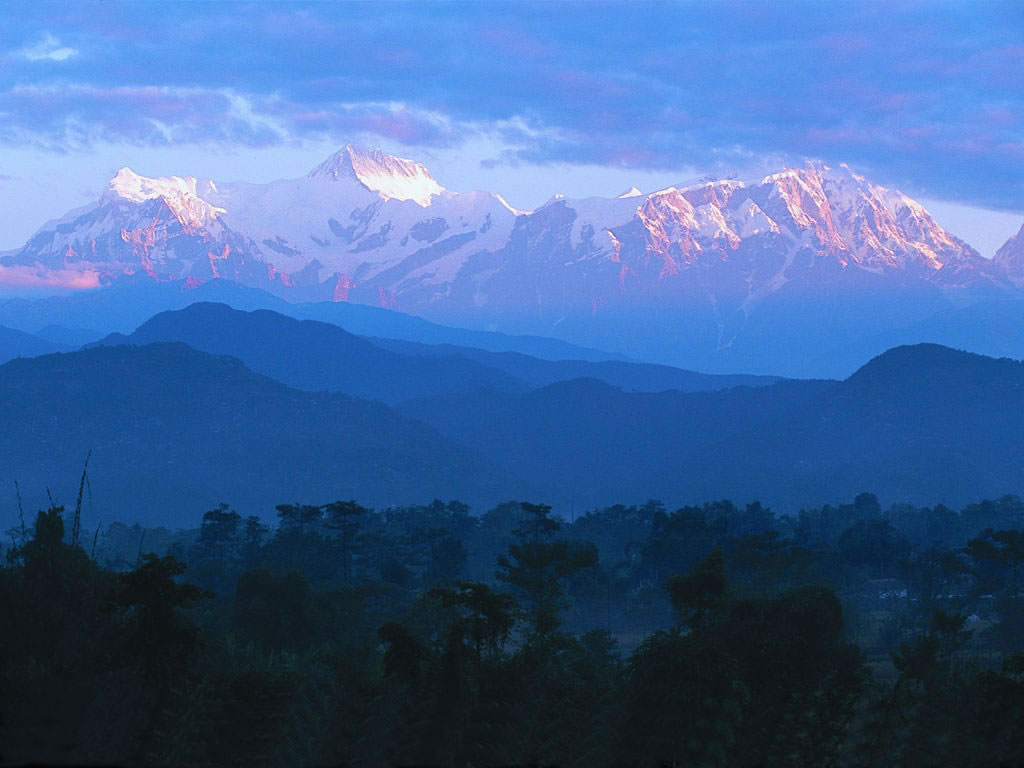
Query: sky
[[526, 99]]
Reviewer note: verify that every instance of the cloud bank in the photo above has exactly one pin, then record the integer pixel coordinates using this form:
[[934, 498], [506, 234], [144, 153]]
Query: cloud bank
[[48, 48], [928, 97]]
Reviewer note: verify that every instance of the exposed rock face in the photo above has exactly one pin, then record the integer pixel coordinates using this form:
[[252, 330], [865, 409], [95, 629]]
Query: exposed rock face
[[371, 228]]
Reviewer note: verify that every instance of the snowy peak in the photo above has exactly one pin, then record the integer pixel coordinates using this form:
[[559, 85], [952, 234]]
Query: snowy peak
[[860, 223], [181, 194], [392, 177], [1012, 248], [1010, 258], [131, 186], [358, 229], [773, 227]]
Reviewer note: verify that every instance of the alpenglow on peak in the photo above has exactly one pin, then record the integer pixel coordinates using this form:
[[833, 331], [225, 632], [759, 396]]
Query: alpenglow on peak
[[131, 186], [186, 196], [392, 177]]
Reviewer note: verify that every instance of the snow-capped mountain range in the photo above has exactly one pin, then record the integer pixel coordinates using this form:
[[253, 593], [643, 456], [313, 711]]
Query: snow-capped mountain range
[[368, 227]]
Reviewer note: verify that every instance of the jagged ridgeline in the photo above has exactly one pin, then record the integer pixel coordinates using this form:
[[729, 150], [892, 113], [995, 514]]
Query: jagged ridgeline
[[778, 275]]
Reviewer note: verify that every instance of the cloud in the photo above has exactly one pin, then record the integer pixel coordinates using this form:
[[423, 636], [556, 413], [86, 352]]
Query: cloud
[[919, 96], [48, 48], [29, 277], [337, 121], [73, 116]]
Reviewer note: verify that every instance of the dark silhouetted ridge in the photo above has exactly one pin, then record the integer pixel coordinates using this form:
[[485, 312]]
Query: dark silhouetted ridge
[[929, 367], [315, 356], [15, 343], [173, 431]]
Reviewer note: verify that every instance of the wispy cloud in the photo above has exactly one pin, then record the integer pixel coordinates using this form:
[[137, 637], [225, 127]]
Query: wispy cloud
[[29, 277], [921, 96], [49, 48], [73, 116]]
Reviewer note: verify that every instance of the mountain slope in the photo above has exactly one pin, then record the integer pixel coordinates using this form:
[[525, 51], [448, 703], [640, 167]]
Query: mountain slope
[[391, 177], [757, 276], [15, 343], [173, 432], [630, 376], [924, 424], [125, 305], [1010, 258], [586, 443], [315, 356]]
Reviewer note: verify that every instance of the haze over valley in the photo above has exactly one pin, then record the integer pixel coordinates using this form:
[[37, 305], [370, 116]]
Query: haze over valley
[[513, 383]]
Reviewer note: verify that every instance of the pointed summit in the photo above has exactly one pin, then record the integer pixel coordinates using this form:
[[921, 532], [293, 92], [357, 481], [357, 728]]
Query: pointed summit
[[392, 177], [1010, 258], [631, 192], [180, 194], [128, 184]]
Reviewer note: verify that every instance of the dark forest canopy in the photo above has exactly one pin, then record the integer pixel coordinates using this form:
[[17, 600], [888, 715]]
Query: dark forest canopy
[[847, 635]]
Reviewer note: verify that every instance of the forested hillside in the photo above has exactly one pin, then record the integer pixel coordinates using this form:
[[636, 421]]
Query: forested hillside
[[718, 635]]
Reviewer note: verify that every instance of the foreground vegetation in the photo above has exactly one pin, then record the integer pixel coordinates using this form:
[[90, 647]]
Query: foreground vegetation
[[713, 635]]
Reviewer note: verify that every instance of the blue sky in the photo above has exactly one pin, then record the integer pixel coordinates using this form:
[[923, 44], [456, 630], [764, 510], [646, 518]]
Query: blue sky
[[526, 99]]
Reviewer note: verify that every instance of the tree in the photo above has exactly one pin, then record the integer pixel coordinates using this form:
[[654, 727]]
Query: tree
[[1004, 550], [537, 564], [218, 535], [873, 544], [482, 618], [404, 654], [698, 596], [253, 534], [922, 722], [752, 520], [930, 654], [932, 576], [867, 506], [274, 609], [43, 553], [154, 600], [683, 705], [344, 518], [803, 678], [677, 542], [447, 557], [300, 518], [998, 560], [769, 563]]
